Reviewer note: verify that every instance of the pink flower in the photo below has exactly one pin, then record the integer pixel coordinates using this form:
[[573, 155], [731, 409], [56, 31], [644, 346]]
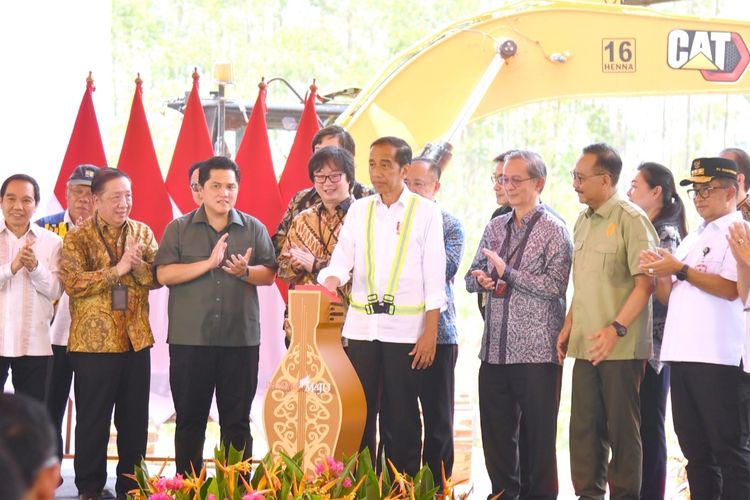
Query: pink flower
[[347, 483], [160, 496], [319, 469], [176, 483], [211, 496], [334, 466], [251, 495], [161, 484]]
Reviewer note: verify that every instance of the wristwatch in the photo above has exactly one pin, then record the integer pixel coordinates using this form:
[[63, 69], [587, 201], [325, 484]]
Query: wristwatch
[[621, 329], [682, 273]]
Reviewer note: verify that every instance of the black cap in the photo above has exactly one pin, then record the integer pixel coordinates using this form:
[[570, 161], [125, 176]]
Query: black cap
[[83, 174], [703, 170]]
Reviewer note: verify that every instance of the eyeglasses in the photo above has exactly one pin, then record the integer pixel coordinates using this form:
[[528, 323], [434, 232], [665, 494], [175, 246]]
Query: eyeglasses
[[195, 187], [702, 192], [580, 179], [512, 181], [334, 178]]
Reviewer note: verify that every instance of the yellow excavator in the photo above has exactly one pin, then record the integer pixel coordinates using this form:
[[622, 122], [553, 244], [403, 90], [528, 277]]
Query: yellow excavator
[[536, 50]]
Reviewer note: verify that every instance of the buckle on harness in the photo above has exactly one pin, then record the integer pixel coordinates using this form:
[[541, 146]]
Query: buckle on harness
[[386, 306]]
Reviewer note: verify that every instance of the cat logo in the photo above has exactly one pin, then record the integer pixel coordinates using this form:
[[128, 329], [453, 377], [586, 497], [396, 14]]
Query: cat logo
[[720, 56]]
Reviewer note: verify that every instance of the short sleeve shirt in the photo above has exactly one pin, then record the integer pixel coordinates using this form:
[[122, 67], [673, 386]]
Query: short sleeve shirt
[[215, 309], [607, 246]]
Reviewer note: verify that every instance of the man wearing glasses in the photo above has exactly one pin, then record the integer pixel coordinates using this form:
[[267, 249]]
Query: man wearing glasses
[[607, 330], [704, 337], [523, 261]]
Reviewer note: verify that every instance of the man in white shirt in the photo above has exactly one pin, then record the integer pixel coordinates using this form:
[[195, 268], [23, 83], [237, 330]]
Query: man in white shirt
[[29, 287], [704, 336], [392, 244]]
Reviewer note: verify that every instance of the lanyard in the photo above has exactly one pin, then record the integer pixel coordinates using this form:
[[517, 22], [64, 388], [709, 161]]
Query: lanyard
[[522, 243], [339, 221]]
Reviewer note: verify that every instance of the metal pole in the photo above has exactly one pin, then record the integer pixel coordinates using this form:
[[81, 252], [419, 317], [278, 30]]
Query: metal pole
[[505, 50], [219, 148], [442, 152]]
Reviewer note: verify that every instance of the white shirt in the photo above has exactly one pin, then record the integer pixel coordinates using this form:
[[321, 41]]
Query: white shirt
[[422, 275], [27, 298], [701, 327], [60, 329]]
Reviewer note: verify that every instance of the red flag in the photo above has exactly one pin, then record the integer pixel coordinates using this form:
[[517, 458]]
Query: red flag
[[295, 176], [193, 145], [138, 159], [259, 192], [85, 145]]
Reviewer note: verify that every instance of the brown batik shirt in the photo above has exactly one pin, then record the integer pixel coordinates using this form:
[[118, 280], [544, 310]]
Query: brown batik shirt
[[90, 253]]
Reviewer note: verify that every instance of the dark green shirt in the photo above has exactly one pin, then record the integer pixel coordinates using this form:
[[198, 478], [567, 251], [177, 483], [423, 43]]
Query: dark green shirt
[[216, 309]]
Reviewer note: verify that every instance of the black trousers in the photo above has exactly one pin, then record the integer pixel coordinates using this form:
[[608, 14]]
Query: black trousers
[[59, 390], [194, 373], [711, 421], [654, 390], [400, 425], [505, 393], [103, 382], [437, 397], [30, 375]]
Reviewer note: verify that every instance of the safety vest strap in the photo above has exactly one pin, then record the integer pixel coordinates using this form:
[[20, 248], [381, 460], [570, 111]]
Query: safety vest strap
[[387, 306]]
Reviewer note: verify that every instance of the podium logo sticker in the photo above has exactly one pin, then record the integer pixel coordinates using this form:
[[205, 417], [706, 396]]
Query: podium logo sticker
[[720, 56]]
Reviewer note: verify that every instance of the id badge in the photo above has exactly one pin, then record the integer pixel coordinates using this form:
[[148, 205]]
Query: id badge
[[119, 298]]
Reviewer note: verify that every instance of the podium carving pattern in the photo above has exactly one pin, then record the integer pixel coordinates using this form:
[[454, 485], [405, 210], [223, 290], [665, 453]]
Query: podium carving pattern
[[315, 401]]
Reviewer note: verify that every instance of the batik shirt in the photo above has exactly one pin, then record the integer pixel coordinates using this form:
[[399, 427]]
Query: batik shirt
[[523, 325], [302, 201], [88, 274], [453, 235], [317, 231]]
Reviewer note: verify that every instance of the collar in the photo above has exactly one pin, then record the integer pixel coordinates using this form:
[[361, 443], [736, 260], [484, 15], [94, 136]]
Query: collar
[[200, 216], [67, 219], [402, 199], [33, 228], [723, 222], [606, 209], [342, 207], [104, 226], [526, 218]]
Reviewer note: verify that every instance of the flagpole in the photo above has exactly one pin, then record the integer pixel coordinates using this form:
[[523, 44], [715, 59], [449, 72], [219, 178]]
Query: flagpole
[[223, 77]]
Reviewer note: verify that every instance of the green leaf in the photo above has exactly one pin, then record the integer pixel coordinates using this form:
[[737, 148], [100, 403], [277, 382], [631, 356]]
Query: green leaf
[[286, 488], [142, 477], [292, 467], [371, 488], [265, 464], [385, 474], [424, 482], [235, 455]]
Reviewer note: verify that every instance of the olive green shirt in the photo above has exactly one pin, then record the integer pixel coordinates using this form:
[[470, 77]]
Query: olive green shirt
[[608, 242], [215, 309]]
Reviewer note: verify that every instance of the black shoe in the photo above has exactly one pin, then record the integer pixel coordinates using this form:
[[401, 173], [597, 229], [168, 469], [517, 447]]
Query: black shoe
[[107, 494]]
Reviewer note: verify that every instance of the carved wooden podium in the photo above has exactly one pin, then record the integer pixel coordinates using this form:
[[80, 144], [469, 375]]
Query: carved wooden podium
[[315, 401]]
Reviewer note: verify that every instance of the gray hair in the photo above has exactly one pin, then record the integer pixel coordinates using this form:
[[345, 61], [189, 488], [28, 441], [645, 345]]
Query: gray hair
[[535, 166]]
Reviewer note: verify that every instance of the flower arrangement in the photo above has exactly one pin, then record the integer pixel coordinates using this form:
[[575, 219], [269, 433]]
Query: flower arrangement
[[282, 477]]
